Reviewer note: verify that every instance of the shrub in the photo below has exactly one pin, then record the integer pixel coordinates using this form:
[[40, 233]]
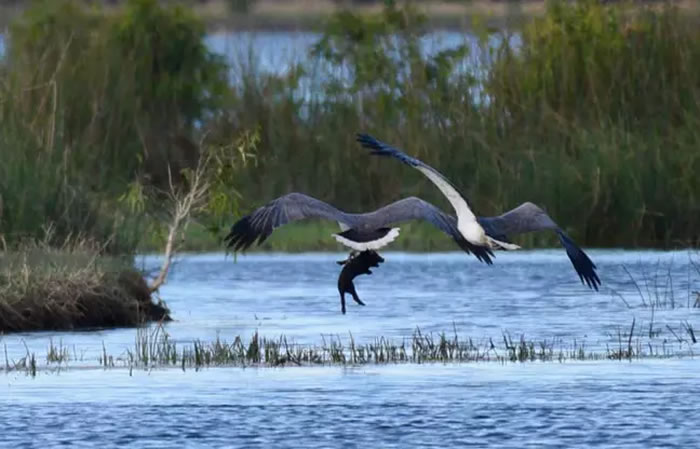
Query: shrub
[[89, 103]]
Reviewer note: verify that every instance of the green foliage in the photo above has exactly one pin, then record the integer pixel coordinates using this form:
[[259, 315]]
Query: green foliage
[[611, 97], [308, 118], [173, 73], [240, 6], [227, 161], [91, 103], [589, 62], [591, 111]]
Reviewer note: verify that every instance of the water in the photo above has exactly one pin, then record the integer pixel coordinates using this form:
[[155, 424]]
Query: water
[[533, 293], [641, 403], [276, 52], [537, 405]]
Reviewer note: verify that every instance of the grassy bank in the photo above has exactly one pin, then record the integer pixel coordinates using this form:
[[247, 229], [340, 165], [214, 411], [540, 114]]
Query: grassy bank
[[72, 287]]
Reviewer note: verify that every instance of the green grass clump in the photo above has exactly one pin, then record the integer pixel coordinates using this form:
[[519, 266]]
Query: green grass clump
[[73, 287]]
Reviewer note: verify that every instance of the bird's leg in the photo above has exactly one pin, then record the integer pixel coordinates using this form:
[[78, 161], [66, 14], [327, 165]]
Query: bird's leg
[[497, 244]]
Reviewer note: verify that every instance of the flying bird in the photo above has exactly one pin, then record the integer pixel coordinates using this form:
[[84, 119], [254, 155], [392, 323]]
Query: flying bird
[[362, 233], [359, 232], [525, 218]]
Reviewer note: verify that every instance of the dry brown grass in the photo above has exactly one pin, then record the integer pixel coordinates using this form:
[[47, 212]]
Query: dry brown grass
[[72, 287]]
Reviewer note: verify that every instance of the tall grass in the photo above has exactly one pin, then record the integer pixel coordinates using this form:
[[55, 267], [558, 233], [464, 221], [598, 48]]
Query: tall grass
[[90, 103], [613, 97], [591, 111]]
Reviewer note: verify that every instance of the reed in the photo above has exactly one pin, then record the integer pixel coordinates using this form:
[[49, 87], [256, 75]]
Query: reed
[[591, 111], [154, 348], [91, 103]]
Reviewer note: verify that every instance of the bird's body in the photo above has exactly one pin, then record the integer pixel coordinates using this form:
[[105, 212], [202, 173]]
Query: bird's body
[[491, 232], [369, 240]]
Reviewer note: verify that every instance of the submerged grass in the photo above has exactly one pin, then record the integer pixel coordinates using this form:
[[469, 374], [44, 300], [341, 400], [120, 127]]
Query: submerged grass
[[155, 349]]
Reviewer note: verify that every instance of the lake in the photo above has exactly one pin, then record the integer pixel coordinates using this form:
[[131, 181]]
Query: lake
[[638, 403], [275, 52]]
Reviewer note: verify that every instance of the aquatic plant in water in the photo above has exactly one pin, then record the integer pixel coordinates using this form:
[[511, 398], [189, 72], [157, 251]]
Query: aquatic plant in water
[[155, 349]]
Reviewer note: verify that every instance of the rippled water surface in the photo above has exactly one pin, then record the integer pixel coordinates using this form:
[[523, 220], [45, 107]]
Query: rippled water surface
[[643, 403], [534, 405]]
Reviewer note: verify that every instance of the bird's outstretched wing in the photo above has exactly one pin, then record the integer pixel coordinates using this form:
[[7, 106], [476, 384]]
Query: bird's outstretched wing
[[456, 199], [459, 203], [529, 218], [296, 206], [413, 208], [285, 209]]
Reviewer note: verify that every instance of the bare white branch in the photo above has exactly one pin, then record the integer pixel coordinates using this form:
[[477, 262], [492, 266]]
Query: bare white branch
[[184, 203]]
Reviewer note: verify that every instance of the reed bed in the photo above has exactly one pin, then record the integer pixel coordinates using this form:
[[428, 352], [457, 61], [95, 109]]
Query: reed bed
[[590, 110], [155, 349]]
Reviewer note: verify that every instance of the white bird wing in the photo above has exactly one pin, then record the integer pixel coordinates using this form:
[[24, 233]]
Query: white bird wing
[[462, 209]]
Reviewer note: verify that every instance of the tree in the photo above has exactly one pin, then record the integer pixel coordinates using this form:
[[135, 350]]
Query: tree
[[206, 193]]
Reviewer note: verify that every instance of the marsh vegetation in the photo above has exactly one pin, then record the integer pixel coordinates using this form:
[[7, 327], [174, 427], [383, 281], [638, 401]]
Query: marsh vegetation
[[155, 349], [590, 110]]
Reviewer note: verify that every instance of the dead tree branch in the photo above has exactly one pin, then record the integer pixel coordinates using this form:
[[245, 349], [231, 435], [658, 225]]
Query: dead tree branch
[[183, 204]]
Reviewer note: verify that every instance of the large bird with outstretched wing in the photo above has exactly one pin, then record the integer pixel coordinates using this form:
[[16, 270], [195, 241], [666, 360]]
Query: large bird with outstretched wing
[[492, 232]]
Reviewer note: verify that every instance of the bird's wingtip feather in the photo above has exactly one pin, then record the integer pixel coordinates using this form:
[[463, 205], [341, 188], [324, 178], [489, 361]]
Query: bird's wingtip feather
[[584, 266]]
